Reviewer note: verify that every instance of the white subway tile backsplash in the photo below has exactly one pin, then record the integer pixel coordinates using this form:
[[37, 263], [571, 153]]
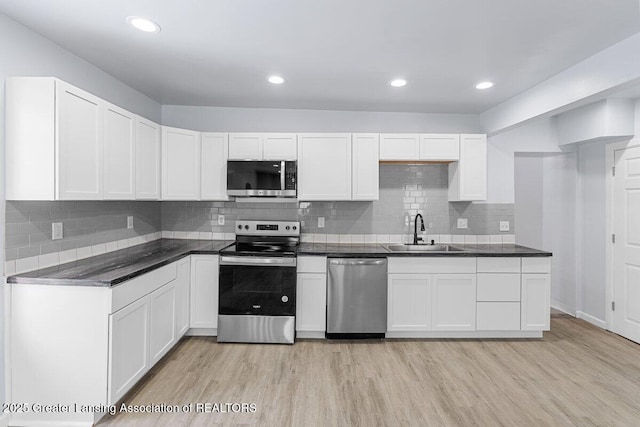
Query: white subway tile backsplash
[[167, 234], [48, 260], [27, 264], [370, 239], [122, 244], [397, 238], [98, 249], [306, 238], [206, 235], [179, 234], [457, 238], [344, 239], [445, 238], [111, 246], [434, 237], [508, 238], [319, 238], [9, 268], [333, 238], [496, 238], [229, 236], [484, 239], [357, 239], [193, 235], [218, 236], [470, 239], [68, 256], [84, 252]]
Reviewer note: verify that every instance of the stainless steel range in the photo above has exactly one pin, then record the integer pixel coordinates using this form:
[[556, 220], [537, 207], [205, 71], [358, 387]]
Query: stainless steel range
[[257, 299]]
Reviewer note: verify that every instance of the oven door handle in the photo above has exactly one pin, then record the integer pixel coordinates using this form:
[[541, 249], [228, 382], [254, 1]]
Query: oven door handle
[[250, 260]]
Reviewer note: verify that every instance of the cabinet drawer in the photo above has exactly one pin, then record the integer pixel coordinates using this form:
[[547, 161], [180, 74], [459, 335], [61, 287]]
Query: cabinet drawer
[[536, 265], [498, 287], [131, 290], [432, 265], [498, 265], [498, 316], [312, 264]]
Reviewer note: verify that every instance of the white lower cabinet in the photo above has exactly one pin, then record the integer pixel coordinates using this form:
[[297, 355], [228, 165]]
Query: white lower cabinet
[[128, 347], [409, 302], [204, 292], [498, 316], [454, 302], [183, 282], [311, 297], [162, 326], [535, 305]]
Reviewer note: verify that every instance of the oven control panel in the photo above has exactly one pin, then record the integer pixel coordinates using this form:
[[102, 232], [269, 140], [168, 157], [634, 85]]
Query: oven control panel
[[267, 228]]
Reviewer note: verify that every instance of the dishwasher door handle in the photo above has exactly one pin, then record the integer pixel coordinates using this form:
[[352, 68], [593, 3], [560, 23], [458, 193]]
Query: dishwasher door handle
[[357, 261]]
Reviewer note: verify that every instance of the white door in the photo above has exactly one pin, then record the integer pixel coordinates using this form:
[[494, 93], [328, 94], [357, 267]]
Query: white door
[[311, 302], [213, 185], [409, 302], [279, 146], [365, 169], [180, 164], [183, 280], [324, 166], [119, 155], [454, 302], [245, 146], [204, 291], [162, 326], [78, 143], [626, 253], [128, 347], [148, 149]]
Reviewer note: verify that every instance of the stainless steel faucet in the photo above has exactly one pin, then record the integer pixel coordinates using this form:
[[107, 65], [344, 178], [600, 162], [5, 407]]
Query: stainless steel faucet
[[415, 228]]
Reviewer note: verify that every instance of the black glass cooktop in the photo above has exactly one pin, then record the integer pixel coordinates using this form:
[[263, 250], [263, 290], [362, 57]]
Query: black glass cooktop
[[267, 249]]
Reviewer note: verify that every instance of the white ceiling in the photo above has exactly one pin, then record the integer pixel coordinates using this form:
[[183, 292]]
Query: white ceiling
[[334, 54]]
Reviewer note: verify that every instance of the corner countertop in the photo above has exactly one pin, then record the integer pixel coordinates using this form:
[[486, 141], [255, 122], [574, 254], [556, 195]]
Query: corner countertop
[[379, 250], [116, 267]]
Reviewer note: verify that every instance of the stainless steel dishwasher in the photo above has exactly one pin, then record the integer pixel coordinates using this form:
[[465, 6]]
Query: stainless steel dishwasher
[[357, 298]]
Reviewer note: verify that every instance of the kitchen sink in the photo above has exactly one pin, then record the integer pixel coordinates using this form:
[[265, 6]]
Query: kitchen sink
[[422, 248]]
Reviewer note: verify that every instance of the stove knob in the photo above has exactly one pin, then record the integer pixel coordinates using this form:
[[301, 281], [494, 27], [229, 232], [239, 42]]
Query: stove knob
[[246, 227], [295, 228], [239, 227], [285, 298], [287, 227]]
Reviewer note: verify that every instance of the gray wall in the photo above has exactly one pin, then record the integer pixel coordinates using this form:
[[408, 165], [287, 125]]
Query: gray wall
[[219, 119], [25, 53], [86, 223], [404, 191]]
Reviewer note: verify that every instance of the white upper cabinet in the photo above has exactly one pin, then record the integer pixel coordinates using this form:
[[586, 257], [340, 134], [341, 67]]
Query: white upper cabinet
[[262, 146], [214, 166], [78, 143], [324, 166], [439, 147], [365, 166], [468, 176], [148, 152], [180, 164], [402, 146], [119, 153]]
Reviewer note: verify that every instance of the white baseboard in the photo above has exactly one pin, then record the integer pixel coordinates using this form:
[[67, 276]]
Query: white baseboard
[[202, 332], [591, 319], [563, 308]]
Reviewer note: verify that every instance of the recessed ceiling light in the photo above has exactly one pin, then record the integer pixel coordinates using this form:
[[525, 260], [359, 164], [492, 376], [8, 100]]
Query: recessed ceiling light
[[484, 85], [398, 82], [276, 80], [143, 24]]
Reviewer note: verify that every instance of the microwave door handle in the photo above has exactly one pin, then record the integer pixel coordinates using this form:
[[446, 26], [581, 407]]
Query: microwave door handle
[[282, 174]]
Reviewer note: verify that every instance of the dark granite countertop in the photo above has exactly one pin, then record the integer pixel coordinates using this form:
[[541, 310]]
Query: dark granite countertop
[[118, 266], [377, 250]]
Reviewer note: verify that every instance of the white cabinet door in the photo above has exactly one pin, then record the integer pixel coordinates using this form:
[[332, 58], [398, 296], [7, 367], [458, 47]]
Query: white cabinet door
[[454, 302], [468, 177], [214, 166], [311, 302], [183, 281], [409, 302], [279, 146], [128, 347], [439, 147], [148, 151], [119, 153], [324, 166], [536, 302], [401, 146], [180, 164], [79, 144], [365, 168], [162, 326], [204, 291], [245, 146]]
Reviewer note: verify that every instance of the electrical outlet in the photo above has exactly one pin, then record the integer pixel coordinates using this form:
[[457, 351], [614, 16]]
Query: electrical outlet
[[320, 222], [129, 222], [504, 225], [56, 231], [463, 223], [220, 219]]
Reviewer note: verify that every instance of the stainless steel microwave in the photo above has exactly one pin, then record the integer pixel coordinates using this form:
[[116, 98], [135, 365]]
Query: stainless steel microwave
[[265, 178]]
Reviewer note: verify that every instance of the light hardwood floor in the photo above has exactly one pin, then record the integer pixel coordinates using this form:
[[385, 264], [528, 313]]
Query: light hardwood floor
[[577, 375]]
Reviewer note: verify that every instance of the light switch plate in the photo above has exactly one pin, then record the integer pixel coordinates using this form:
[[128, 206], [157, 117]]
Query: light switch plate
[[220, 219], [320, 222], [504, 225], [463, 223], [56, 231], [129, 222]]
